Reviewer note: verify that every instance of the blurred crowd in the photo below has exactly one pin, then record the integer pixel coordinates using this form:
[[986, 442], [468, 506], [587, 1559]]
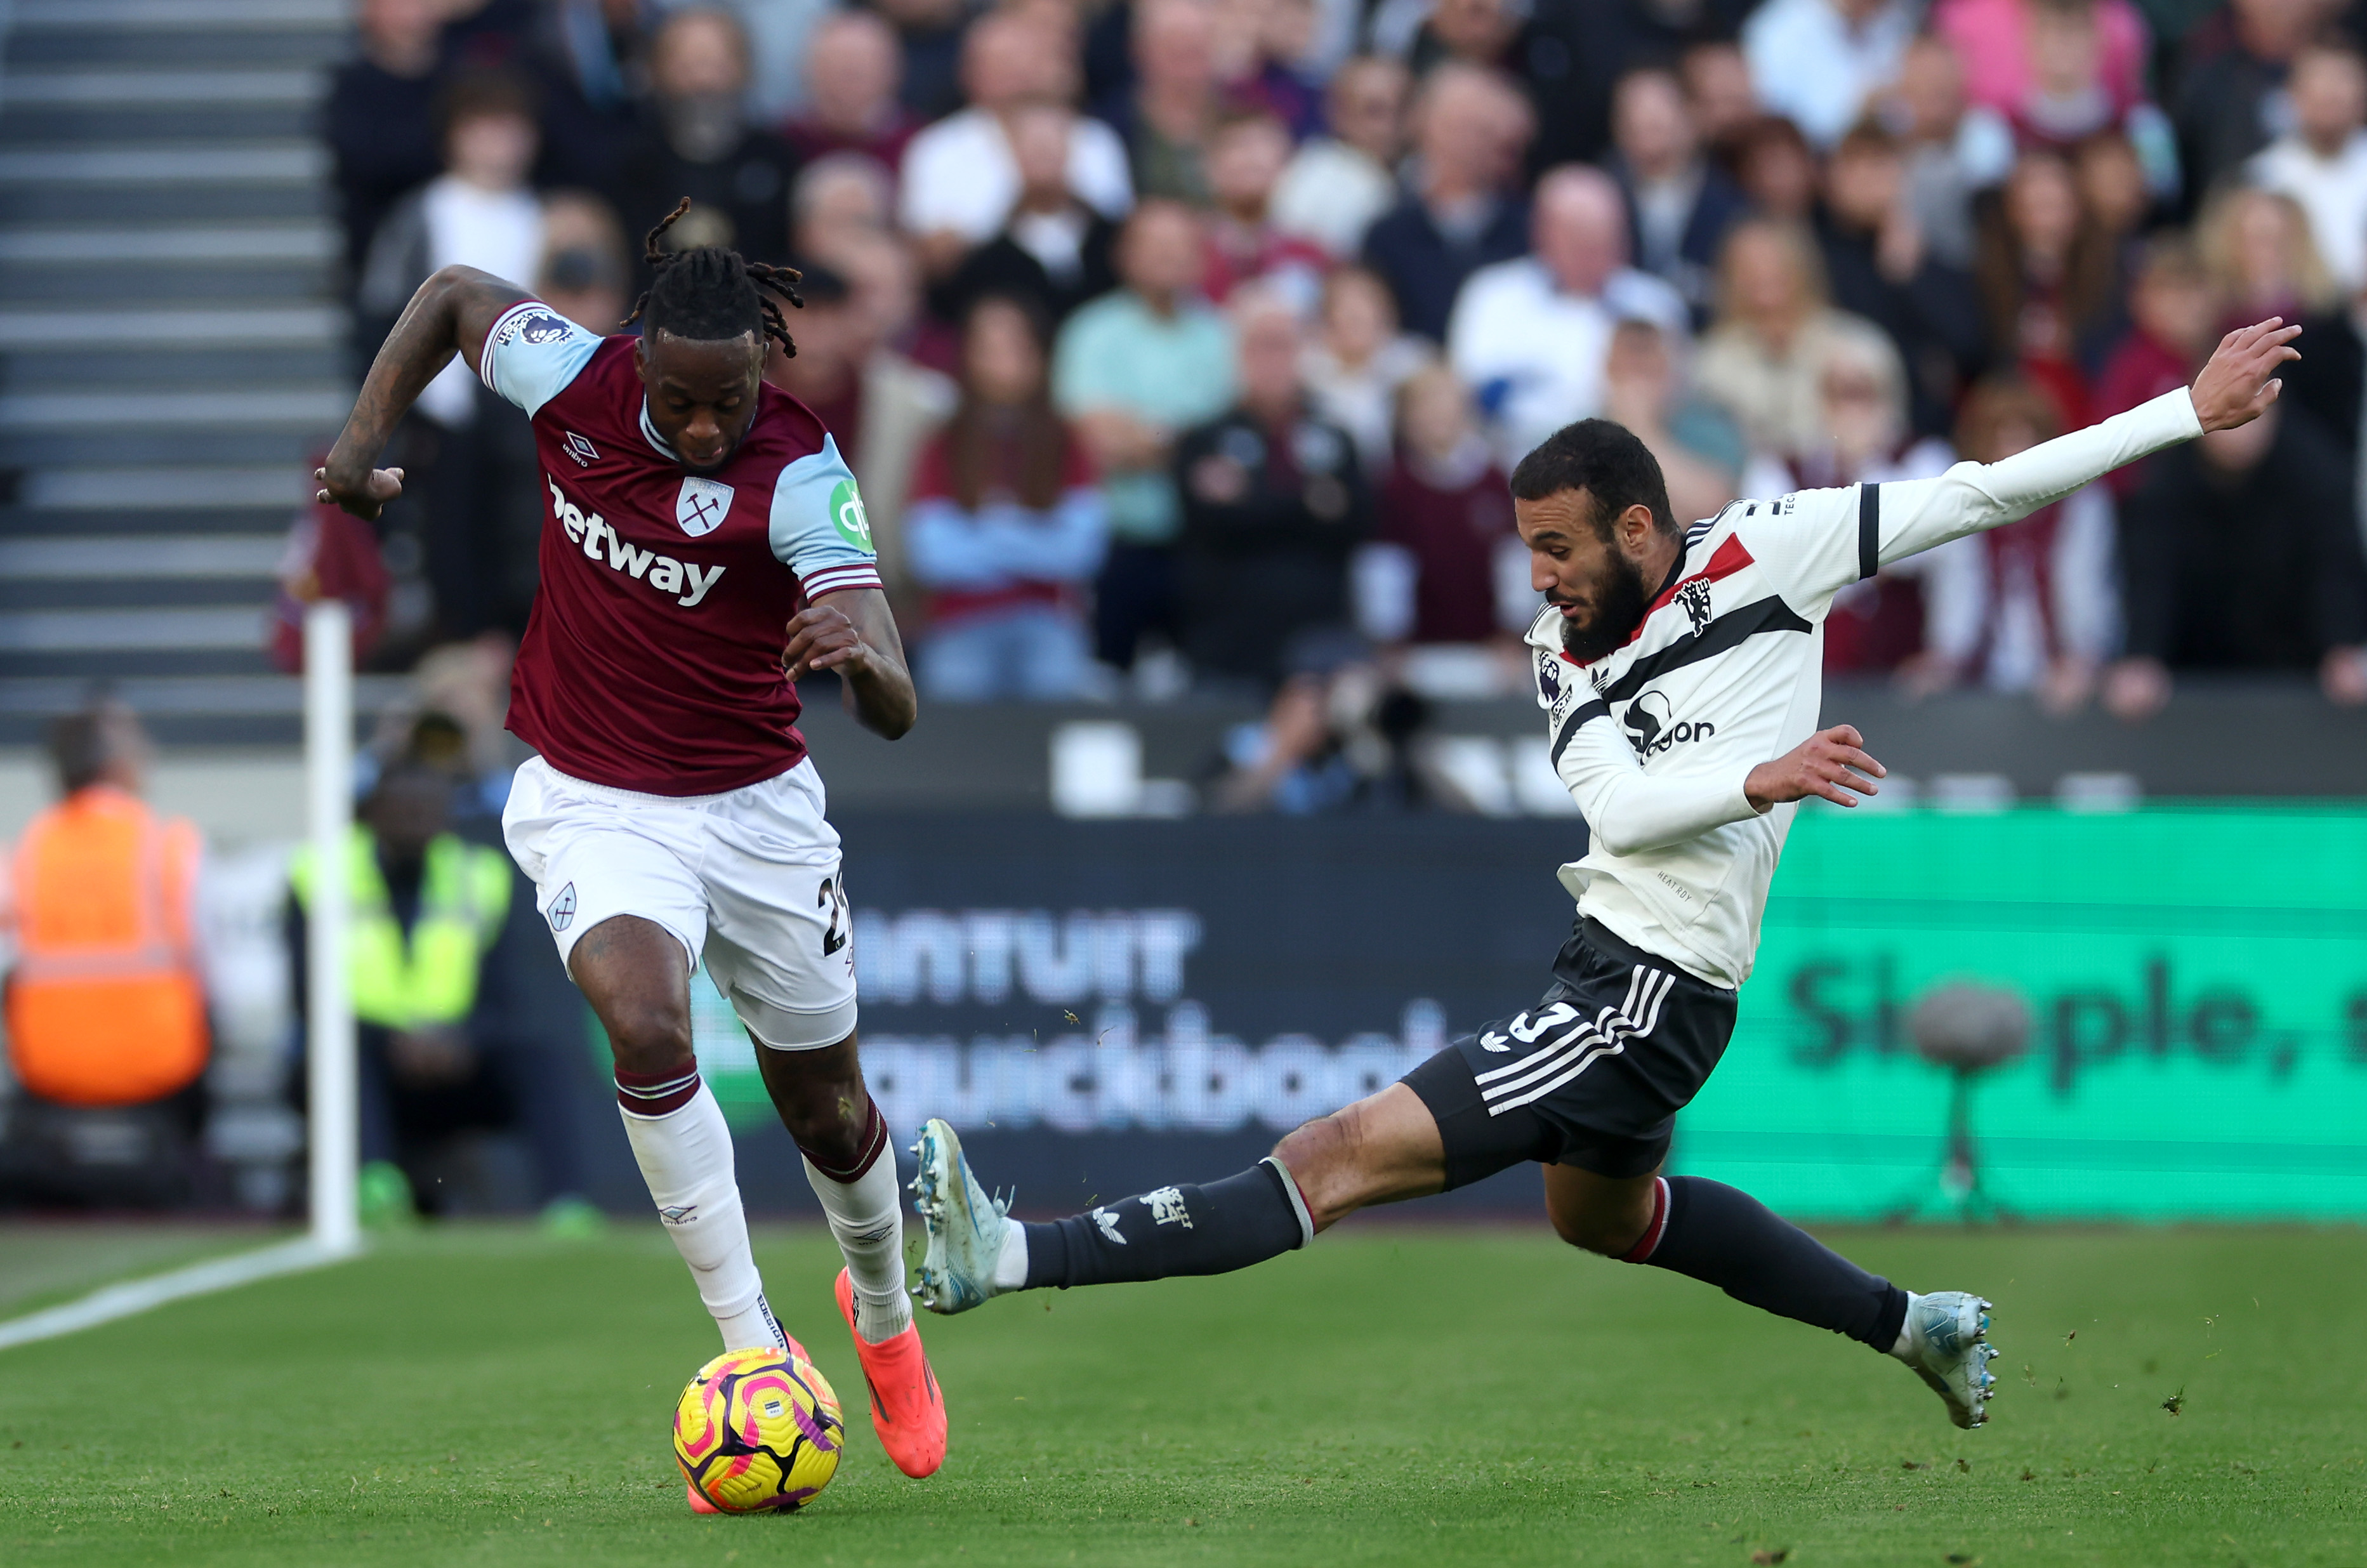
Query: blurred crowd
[[1185, 344]]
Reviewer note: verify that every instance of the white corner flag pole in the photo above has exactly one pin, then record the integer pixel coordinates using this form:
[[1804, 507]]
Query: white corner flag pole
[[333, 1103], [332, 1099]]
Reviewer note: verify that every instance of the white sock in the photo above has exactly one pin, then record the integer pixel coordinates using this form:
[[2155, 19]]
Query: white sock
[[1904, 1349], [868, 1218], [686, 1156], [1011, 1263]]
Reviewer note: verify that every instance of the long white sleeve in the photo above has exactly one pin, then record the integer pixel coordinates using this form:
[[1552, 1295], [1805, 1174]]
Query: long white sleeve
[[1916, 515], [1626, 810], [1816, 543]]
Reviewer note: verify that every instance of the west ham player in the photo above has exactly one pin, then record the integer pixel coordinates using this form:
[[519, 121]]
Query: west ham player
[[1679, 670], [703, 547]]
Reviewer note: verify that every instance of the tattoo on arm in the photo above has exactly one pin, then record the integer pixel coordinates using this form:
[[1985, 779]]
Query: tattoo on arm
[[451, 311]]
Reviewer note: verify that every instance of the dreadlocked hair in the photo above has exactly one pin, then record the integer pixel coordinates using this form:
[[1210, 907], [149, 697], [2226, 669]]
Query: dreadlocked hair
[[711, 293]]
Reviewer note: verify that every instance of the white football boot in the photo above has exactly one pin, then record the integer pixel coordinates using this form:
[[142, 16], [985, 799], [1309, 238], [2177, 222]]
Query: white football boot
[[1948, 1346], [965, 1225]]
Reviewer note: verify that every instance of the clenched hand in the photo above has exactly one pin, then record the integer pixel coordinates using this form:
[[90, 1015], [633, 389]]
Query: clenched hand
[[822, 638], [364, 492]]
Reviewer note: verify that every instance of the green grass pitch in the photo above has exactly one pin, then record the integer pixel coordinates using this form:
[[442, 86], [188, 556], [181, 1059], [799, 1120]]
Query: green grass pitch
[[1396, 1395]]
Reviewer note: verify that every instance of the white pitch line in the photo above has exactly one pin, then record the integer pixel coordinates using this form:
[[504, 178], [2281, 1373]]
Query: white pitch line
[[136, 1296]]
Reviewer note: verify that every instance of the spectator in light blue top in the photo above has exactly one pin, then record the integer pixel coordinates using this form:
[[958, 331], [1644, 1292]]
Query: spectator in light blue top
[[1133, 368], [1005, 527]]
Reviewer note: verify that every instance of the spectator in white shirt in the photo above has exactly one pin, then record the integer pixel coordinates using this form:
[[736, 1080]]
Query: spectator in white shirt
[[479, 212], [960, 179], [1530, 335], [1337, 185], [1816, 62], [474, 486], [2322, 162], [1053, 250]]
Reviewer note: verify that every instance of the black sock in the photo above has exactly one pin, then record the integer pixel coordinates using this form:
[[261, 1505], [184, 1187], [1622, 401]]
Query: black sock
[[1214, 1229], [1729, 1239]]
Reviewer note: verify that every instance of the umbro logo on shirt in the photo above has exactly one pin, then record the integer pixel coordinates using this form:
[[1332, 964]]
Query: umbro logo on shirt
[[582, 450]]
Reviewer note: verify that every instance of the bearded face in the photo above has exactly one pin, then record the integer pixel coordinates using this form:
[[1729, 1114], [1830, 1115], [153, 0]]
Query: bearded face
[[1599, 619], [1598, 574]]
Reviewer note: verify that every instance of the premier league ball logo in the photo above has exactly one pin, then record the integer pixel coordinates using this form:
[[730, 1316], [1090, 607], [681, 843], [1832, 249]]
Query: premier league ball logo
[[533, 327], [1548, 678]]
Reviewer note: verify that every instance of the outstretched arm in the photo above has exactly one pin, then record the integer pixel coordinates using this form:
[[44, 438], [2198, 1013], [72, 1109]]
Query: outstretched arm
[[854, 632], [1817, 543], [2234, 389], [451, 313]]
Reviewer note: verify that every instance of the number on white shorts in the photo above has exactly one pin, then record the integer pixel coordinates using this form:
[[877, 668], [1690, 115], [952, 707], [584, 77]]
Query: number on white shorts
[[834, 898]]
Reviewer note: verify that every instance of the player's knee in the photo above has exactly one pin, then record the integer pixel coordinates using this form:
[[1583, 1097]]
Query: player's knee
[[1321, 1157], [1585, 1232], [649, 1037], [1610, 1233], [828, 1123], [1309, 1150], [826, 1143]]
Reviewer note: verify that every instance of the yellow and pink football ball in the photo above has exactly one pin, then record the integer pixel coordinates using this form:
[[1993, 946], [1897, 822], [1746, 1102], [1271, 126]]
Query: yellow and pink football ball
[[757, 1431]]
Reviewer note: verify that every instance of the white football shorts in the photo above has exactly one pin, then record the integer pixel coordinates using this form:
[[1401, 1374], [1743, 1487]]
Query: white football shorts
[[748, 879]]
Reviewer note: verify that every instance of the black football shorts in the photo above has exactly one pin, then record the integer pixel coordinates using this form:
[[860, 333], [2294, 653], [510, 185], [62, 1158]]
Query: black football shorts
[[1593, 1075]]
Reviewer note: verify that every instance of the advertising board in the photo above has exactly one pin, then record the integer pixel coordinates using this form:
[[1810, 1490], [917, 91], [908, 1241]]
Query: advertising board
[[1102, 1005]]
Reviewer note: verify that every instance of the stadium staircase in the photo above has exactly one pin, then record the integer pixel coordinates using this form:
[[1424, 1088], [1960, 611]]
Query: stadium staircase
[[171, 350]]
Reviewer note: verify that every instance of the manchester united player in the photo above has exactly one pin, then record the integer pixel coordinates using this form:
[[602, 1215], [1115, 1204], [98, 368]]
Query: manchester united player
[[703, 547], [1681, 672]]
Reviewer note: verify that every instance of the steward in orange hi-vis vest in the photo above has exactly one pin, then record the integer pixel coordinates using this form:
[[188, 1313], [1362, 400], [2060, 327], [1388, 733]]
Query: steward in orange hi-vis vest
[[104, 1006]]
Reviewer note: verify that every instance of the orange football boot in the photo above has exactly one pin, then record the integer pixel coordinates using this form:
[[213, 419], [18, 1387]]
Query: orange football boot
[[907, 1410]]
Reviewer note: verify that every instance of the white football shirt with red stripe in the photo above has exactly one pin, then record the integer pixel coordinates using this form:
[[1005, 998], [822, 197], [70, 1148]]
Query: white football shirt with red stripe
[[1726, 671], [652, 659]]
